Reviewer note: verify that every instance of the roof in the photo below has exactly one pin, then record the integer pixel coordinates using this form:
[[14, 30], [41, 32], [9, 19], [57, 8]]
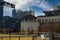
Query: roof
[[29, 16], [3, 3], [46, 16], [52, 13]]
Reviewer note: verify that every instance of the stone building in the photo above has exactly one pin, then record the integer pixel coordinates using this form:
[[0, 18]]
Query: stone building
[[50, 17], [50, 23], [29, 24], [21, 14]]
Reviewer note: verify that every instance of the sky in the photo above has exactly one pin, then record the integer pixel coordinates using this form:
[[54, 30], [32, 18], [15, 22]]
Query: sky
[[37, 5]]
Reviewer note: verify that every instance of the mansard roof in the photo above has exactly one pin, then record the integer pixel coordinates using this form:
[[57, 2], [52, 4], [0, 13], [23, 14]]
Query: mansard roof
[[29, 16], [52, 13]]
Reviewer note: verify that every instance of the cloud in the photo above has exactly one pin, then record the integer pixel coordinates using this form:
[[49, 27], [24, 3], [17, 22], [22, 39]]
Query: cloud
[[24, 4], [21, 4], [39, 14], [41, 4], [11, 1]]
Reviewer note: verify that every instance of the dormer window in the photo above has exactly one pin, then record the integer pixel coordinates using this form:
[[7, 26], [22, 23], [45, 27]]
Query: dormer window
[[26, 19]]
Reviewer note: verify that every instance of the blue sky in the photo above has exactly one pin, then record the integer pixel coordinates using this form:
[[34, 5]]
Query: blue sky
[[38, 5]]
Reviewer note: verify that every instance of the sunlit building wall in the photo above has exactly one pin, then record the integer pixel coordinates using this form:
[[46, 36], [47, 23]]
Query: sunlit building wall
[[29, 24], [49, 22]]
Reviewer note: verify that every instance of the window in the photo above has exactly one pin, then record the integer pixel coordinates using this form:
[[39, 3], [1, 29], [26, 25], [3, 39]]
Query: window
[[42, 21], [26, 19], [1, 4], [52, 20], [49, 20], [58, 19], [55, 20], [7, 11], [39, 20], [46, 20], [30, 19]]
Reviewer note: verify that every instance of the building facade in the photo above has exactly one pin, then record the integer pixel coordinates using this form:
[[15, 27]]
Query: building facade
[[49, 25], [14, 13], [21, 14], [50, 22], [5, 9], [29, 24]]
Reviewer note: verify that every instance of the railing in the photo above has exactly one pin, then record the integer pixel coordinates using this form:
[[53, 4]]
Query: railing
[[21, 37], [10, 38]]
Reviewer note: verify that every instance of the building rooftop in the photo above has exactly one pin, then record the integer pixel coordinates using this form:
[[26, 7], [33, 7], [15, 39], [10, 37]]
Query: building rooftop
[[52, 13], [29, 16], [4, 2]]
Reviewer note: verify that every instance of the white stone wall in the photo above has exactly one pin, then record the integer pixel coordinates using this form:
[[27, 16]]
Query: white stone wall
[[49, 18], [29, 24]]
